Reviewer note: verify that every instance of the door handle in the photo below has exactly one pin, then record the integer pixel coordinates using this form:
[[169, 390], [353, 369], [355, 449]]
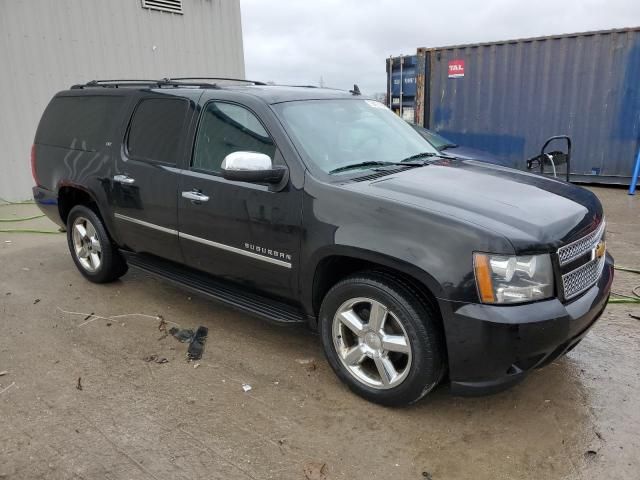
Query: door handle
[[195, 196], [125, 179]]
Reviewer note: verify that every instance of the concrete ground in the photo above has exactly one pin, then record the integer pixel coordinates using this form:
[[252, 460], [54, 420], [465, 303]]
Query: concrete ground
[[579, 418]]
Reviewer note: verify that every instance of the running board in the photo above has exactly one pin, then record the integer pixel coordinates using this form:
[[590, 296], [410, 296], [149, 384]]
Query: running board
[[225, 292]]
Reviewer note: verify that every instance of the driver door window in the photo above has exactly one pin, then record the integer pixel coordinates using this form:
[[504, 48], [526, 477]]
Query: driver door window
[[226, 128]]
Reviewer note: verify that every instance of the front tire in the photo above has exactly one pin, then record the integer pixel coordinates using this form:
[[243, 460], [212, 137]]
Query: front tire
[[382, 339], [91, 248]]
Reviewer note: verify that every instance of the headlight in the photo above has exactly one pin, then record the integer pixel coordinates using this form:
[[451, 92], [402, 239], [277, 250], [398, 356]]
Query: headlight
[[511, 279]]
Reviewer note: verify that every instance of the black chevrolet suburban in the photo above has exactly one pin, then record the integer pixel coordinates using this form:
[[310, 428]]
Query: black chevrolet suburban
[[318, 206]]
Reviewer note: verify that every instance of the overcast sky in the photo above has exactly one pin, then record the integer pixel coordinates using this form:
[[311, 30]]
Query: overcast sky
[[347, 41]]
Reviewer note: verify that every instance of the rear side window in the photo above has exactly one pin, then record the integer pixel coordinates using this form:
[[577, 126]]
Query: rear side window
[[157, 128], [79, 123], [226, 128]]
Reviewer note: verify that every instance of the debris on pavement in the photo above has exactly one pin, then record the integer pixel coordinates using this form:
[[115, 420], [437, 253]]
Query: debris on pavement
[[3, 373], [7, 387], [309, 363], [162, 327], [196, 365], [427, 475], [634, 316], [183, 335], [196, 346], [246, 387], [155, 359], [590, 454], [315, 471], [79, 384], [37, 300]]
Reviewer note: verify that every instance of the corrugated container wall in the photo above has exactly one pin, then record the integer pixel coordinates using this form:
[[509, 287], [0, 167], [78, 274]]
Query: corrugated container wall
[[508, 97], [46, 46]]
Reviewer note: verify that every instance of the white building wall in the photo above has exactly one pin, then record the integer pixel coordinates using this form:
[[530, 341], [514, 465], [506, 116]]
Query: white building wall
[[48, 45]]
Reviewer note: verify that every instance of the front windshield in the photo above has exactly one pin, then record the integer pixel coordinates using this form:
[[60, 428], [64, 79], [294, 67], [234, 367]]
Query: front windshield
[[333, 134]]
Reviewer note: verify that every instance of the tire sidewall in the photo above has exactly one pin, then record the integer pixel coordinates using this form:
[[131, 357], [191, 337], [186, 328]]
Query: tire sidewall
[[426, 365], [104, 272]]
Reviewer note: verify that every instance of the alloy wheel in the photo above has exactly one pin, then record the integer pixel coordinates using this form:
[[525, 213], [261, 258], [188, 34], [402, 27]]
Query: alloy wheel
[[371, 343], [86, 244]]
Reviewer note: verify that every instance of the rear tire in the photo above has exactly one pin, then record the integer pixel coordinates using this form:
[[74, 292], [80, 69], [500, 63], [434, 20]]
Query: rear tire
[[382, 339], [91, 248]]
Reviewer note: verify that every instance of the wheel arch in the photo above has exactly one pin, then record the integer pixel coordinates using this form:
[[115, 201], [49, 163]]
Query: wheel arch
[[338, 263], [70, 195]]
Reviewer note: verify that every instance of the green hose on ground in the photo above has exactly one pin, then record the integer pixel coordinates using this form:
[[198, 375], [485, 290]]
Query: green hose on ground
[[6, 203], [627, 269], [623, 300], [627, 298], [28, 230], [20, 219]]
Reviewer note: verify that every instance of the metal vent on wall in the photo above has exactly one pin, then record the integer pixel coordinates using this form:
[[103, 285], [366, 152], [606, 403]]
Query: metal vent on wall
[[173, 6]]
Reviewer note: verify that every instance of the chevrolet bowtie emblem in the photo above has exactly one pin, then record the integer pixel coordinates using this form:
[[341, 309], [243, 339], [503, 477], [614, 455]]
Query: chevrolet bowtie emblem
[[599, 250]]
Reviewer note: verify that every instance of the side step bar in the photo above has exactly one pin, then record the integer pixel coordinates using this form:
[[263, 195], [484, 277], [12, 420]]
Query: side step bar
[[224, 292]]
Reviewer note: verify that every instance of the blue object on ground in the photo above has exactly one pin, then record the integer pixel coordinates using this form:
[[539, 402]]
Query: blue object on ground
[[634, 177]]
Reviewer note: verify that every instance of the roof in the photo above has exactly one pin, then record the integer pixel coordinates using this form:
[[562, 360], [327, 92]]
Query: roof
[[278, 93], [268, 93]]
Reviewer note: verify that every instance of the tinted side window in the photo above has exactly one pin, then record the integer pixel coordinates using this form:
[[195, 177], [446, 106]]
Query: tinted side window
[[79, 123], [156, 129], [226, 128]]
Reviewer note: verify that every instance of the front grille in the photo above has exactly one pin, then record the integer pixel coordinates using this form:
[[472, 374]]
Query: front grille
[[589, 268], [580, 247], [582, 278]]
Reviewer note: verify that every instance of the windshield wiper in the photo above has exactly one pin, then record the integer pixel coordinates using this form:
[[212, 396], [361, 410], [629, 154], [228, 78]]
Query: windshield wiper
[[418, 156], [448, 145], [361, 164]]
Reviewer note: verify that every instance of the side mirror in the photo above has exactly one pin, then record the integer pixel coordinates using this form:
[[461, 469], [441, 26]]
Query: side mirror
[[251, 167]]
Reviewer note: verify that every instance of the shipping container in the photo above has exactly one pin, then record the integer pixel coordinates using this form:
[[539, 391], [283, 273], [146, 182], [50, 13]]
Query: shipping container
[[401, 85], [508, 97]]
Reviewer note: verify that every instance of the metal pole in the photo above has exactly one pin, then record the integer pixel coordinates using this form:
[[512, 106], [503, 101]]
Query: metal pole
[[401, 83], [634, 177], [390, 80]]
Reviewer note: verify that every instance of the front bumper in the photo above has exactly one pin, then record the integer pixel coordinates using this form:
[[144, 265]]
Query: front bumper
[[493, 347]]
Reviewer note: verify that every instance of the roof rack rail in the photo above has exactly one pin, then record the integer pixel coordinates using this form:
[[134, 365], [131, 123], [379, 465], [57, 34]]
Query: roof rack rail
[[217, 78], [165, 82]]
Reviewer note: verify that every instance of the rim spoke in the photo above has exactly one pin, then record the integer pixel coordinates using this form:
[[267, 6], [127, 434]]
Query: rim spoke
[[81, 230], [95, 260], [353, 356], [352, 321], [395, 343], [386, 370], [91, 231], [95, 245], [377, 316]]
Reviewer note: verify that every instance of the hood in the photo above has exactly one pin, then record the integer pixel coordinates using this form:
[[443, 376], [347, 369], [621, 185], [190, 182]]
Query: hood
[[535, 213]]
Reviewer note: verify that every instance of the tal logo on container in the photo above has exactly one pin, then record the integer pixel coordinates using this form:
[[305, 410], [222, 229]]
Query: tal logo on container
[[456, 68]]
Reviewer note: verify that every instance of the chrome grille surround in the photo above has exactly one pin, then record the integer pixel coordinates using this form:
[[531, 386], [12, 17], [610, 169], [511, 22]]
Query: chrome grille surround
[[582, 278], [580, 247]]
